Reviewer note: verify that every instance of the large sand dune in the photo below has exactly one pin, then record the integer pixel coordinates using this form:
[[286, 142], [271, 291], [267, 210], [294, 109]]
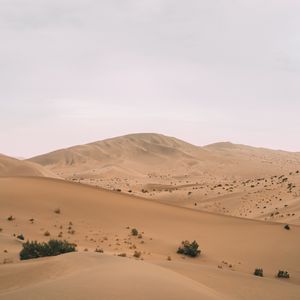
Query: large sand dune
[[231, 247], [225, 178]]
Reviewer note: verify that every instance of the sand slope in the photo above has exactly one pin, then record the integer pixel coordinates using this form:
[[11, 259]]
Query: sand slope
[[94, 276], [101, 218], [13, 167]]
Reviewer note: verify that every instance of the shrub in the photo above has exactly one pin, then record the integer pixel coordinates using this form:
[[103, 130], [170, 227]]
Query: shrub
[[21, 237], [47, 233], [283, 274], [189, 249], [259, 272], [134, 231], [10, 218], [137, 254], [287, 227], [99, 250], [57, 210], [35, 249]]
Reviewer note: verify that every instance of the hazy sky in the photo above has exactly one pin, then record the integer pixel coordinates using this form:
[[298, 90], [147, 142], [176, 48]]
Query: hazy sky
[[77, 71]]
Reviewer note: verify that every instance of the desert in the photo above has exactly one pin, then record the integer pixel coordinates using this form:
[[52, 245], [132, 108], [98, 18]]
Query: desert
[[100, 221], [149, 150]]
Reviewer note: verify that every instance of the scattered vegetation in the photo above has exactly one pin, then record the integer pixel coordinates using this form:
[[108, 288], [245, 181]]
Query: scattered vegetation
[[283, 274], [134, 232], [57, 211], [10, 218], [20, 237], [259, 272], [189, 249], [287, 227], [47, 233], [34, 249], [137, 254], [99, 250]]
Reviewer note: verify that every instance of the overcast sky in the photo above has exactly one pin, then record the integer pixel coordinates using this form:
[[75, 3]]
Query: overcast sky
[[77, 71]]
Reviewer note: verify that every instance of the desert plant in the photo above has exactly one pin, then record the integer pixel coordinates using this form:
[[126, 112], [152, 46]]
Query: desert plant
[[259, 272], [21, 237], [10, 218], [34, 249], [134, 231], [189, 249], [287, 227], [137, 254], [283, 274], [57, 210], [47, 233]]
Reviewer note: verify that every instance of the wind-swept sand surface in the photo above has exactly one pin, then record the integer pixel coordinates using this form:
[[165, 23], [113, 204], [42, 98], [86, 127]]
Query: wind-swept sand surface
[[225, 178], [95, 218]]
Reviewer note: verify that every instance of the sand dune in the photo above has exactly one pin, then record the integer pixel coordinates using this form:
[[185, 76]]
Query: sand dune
[[231, 247], [94, 276], [225, 178], [14, 167]]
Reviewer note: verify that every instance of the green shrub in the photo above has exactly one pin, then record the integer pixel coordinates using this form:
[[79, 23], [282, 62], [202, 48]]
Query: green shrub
[[134, 231], [283, 274], [189, 249], [259, 272], [35, 249]]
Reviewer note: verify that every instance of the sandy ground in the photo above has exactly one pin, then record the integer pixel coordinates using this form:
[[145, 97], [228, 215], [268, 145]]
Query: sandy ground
[[93, 218]]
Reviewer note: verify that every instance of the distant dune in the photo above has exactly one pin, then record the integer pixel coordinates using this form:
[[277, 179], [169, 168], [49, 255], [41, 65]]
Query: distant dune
[[231, 248], [225, 178], [149, 152], [14, 167]]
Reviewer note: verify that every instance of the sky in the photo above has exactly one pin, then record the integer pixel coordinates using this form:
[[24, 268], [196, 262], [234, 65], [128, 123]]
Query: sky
[[78, 71]]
